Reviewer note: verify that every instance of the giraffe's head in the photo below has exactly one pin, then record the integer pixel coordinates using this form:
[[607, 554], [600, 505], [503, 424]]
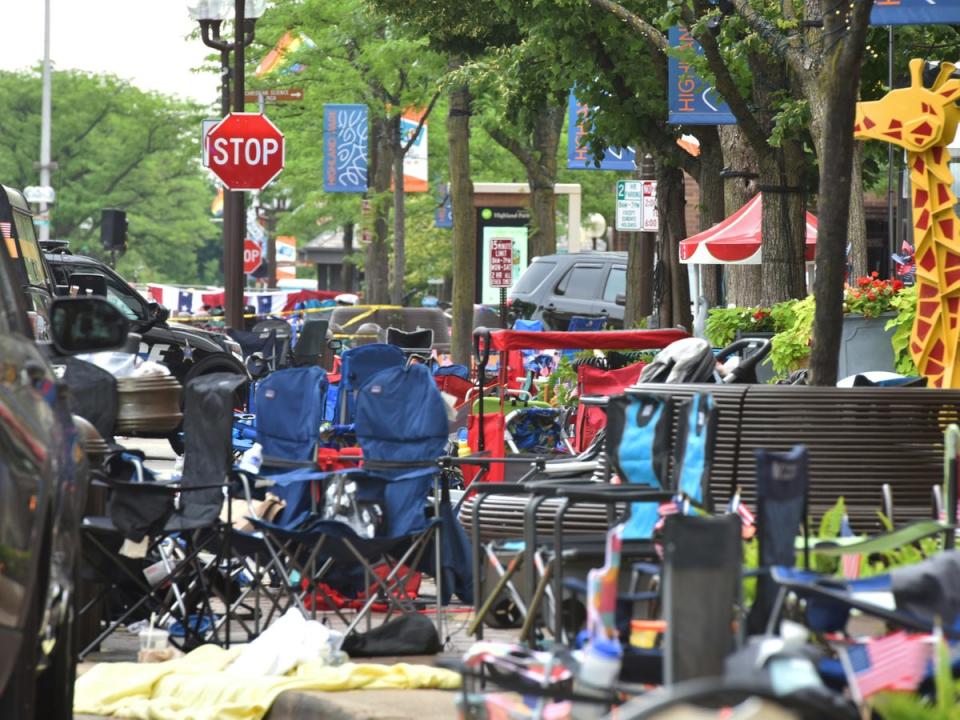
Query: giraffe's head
[[915, 117]]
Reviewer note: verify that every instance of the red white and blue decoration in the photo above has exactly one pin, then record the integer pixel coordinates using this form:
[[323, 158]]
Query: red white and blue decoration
[[189, 301]]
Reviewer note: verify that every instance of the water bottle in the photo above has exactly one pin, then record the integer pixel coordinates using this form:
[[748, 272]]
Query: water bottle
[[463, 447], [251, 460], [600, 666]]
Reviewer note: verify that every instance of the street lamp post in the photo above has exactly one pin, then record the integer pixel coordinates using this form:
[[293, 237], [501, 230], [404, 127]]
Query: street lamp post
[[211, 14]]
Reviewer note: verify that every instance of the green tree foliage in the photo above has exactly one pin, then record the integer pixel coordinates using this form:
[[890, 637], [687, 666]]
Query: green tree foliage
[[356, 55], [117, 147]]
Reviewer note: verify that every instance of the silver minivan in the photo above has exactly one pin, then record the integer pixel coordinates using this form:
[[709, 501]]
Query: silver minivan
[[554, 288]]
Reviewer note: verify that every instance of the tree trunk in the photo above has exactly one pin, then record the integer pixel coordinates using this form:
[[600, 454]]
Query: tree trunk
[[857, 228], [542, 176], [674, 287], [742, 281], [782, 227], [711, 206], [399, 215], [377, 252], [346, 269], [839, 79], [464, 233]]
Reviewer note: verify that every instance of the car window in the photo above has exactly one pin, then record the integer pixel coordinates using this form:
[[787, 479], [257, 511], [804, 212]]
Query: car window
[[581, 281], [61, 274], [29, 250], [118, 294], [533, 276], [616, 283], [129, 304]]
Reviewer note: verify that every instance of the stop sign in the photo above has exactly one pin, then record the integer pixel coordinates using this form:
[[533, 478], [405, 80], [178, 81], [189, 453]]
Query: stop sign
[[252, 256], [246, 151]]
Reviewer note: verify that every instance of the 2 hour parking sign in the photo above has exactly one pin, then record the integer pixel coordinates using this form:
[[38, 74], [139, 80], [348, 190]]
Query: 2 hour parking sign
[[637, 206]]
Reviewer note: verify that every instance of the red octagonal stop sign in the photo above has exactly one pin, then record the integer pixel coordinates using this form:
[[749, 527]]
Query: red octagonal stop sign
[[246, 151], [252, 256]]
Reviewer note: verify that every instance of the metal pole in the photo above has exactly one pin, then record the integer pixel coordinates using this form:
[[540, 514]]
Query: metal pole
[[45, 120], [891, 191], [639, 301], [234, 208]]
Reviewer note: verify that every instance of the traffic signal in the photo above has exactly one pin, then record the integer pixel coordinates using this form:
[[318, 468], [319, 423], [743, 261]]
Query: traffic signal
[[113, 230]]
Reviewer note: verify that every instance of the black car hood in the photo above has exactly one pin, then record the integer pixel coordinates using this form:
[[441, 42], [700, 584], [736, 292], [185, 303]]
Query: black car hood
[[202, 339]]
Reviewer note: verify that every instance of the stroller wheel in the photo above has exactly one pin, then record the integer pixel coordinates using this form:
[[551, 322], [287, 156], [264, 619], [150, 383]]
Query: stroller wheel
[[504, 615]]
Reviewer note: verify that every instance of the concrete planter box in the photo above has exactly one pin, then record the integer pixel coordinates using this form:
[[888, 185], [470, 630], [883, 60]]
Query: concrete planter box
[[865, 345]]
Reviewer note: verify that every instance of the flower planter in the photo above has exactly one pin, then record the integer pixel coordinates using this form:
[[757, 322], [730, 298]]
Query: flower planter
[[865, 345]]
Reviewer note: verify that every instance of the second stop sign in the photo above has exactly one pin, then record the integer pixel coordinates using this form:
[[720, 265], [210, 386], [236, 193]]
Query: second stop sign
[[246, 151], [252, 256]]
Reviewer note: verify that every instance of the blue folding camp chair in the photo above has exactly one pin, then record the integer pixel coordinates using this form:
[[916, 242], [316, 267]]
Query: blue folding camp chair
[[583, 323], [358, 365], [290, 410], [402, 430]]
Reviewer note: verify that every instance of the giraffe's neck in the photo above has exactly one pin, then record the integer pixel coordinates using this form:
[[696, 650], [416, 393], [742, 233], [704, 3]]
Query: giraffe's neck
[[933, 200], [934, 340]]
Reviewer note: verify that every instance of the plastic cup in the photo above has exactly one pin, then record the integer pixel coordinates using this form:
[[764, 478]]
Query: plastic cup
[[153, 639]]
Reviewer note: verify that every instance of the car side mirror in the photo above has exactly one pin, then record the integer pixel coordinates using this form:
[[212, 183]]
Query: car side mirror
[[620, 299], [89, 283], [157, 313], [86, 324]]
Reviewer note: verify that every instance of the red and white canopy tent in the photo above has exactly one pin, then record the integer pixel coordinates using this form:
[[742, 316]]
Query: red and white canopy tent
[[737, 240]]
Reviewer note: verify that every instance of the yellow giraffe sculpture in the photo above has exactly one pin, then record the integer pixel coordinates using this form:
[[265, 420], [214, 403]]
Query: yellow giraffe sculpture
[[923, 121]]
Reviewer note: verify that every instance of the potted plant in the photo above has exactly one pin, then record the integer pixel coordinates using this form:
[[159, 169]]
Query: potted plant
[[866, 340]]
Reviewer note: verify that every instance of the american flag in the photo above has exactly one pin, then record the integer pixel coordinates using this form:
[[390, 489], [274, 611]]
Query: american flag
[[6, 231], [849, 562], [894, 662], [676, 505]]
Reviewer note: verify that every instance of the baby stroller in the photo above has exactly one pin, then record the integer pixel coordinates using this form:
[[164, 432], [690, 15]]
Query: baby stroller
[[692, 360]]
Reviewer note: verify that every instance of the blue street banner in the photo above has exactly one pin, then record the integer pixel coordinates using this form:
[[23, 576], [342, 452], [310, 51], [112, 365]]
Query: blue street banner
[[581, 158], [692, 101], [443, 215], [345, 138], [915, 12]]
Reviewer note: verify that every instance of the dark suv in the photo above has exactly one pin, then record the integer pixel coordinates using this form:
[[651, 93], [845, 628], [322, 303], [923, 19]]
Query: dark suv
[[43, 472], [554, 288], [187, 351]]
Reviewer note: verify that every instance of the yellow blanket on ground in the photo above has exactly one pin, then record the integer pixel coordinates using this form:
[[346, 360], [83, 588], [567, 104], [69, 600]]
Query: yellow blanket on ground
[[195, 688]]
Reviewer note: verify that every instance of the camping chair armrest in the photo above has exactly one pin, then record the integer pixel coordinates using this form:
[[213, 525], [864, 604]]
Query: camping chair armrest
[[477, 459], [552, 486], [615, 493], [899, 619]]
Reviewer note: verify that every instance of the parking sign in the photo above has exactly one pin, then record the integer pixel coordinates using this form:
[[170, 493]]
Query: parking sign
[[637, 206], [501, 262]]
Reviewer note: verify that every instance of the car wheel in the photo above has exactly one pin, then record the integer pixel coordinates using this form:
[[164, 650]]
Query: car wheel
[[55, 684]]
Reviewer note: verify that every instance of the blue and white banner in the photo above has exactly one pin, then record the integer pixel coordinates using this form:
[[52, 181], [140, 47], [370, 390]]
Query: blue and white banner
[[581, 158], [915, 12], [345, 140], [692, 101], [443, 215]]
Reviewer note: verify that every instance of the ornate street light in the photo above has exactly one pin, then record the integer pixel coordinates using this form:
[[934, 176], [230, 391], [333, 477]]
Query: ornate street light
[[211, 14]]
